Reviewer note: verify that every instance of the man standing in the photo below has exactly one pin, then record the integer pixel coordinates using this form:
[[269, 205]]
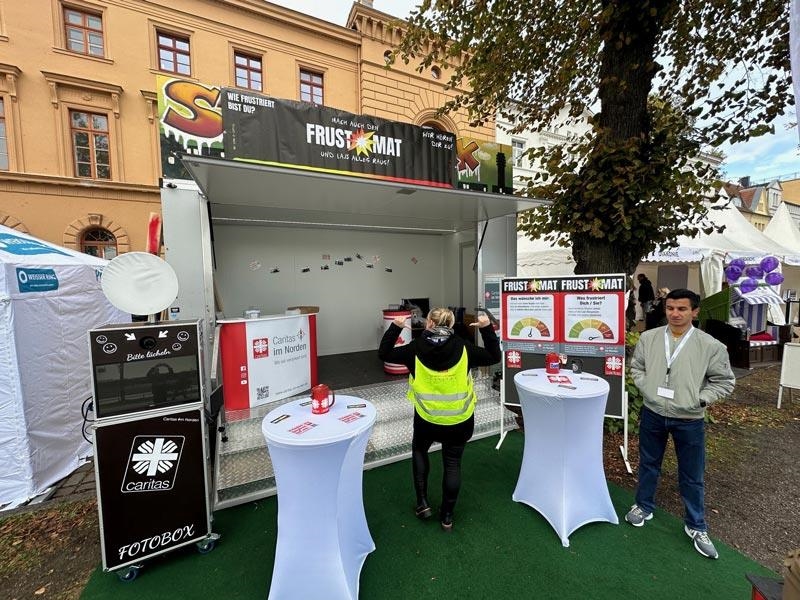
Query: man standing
[[680, 370], [646, 293]]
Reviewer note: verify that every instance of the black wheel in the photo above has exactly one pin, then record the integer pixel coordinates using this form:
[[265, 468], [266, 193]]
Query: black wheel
[[128, 574], [206, 546]]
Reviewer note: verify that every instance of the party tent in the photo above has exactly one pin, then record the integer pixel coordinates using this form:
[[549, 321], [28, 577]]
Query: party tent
[[539, 258], [783, 230], [712, 251], [49, 298]]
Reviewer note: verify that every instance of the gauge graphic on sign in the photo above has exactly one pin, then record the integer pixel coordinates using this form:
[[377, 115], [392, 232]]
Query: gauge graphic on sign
[[530, 327], [530, 317], [591, 330], [591, 318]]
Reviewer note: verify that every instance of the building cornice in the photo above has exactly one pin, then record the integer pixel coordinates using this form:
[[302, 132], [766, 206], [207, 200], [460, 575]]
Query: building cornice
[[291, 18], [10, 179]]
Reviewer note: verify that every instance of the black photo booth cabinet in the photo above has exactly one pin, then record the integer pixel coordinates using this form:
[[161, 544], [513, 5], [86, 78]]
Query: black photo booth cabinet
[[150, 442]]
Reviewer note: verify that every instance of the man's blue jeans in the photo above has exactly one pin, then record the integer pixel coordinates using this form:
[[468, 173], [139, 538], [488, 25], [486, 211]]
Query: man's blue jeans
[[689, 438]]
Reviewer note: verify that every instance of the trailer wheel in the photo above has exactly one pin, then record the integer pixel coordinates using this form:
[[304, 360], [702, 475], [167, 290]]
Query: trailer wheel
[[206, 546], [128, 574]]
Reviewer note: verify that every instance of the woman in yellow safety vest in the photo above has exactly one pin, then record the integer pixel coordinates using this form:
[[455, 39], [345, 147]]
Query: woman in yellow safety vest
[[440, 388]]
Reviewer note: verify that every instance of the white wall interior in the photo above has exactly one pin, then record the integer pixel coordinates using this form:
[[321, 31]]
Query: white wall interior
[[351, 296]]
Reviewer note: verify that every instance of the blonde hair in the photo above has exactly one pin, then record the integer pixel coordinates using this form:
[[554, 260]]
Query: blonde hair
[[442, 317], [663, 291]]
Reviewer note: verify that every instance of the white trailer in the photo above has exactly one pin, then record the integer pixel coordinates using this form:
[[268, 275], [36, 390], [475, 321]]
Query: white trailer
[[242, 235]]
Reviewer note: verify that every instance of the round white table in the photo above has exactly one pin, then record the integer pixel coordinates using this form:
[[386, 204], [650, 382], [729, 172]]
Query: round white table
[[323, 538], [562, 474]]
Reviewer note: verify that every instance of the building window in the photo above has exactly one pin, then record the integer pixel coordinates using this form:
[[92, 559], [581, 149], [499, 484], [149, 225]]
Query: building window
[[173, 54], [83, 32], [90, 144], [99, 242], [517, 150], [3, 138], [248, 71], [311, 87]]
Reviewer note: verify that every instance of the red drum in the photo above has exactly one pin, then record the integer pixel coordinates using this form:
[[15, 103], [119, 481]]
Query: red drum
[[405, 338]]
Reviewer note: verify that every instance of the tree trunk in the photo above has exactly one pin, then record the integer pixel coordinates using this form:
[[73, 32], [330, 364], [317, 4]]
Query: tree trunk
[[627, 68], [594, 255]]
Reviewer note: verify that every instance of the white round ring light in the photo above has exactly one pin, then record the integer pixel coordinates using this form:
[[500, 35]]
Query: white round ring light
[[139, 283]]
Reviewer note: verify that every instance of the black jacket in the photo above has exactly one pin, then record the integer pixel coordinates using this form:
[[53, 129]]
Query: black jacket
[[646, 293], [439, 356]]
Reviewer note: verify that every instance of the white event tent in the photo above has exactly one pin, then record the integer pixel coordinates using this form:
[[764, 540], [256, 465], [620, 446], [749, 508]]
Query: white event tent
[[540, 258], [739, 239], [783, 230], [49, 298], [707, 253]]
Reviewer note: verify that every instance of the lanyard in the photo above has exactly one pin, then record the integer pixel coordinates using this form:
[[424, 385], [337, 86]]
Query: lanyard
[[671, 358]]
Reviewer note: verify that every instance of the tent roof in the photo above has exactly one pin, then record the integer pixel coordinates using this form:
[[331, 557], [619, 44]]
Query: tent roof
[[540, 252], [19, 248], [782, 229], [738, 240]]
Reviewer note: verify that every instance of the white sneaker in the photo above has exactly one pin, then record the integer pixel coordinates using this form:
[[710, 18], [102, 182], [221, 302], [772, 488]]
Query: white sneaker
[[702, 543]]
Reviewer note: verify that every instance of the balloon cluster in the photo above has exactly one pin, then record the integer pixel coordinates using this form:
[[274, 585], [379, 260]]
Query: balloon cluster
[[753, 273]]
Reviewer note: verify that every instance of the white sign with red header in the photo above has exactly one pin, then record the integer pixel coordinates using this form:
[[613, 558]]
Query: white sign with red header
[[267, 359], [579, 317]]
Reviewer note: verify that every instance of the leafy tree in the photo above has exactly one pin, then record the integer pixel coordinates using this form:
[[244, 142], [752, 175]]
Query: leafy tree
[[670, 77]]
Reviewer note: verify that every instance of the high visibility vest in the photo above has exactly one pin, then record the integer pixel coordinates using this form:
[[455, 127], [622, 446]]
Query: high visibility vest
[[442, 397]]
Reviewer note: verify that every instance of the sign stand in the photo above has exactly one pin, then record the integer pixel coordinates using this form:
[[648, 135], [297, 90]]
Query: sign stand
[[579, 317], [789, 378]]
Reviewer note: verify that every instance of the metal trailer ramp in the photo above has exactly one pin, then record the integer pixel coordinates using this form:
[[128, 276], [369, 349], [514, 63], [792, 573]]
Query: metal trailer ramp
[[243, 471]]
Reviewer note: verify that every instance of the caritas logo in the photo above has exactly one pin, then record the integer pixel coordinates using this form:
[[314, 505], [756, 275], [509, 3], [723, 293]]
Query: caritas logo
[[513, 359], [260, 347], [613, 365]]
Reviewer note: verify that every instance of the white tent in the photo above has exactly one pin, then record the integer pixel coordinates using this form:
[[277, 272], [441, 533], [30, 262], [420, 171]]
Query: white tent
[[783, 230], [706, 252], [49, 298], [739, 240], [538, 258]]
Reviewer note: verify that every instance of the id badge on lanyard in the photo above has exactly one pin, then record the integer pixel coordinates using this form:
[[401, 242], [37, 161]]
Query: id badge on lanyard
[[666, 391]]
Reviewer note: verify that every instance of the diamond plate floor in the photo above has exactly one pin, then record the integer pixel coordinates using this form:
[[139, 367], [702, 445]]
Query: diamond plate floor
[[244, 471]]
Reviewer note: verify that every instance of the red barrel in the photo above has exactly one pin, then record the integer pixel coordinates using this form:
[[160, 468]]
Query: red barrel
[[405, 338]]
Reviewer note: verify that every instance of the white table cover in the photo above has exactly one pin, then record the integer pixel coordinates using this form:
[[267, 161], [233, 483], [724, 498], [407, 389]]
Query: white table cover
[[562, 474], [323, 538]]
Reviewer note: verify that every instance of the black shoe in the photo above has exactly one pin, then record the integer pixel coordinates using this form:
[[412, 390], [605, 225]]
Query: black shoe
[[423, 511], [447, 522]]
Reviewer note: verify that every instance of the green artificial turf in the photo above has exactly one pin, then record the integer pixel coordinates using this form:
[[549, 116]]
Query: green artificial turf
[[497, 549]]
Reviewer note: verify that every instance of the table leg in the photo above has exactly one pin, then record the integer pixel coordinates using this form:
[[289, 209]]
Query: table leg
[[308, 553]]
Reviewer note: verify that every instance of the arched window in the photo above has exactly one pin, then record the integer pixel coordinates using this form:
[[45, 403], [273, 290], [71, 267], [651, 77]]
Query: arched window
[[99, 242], [433, 125]]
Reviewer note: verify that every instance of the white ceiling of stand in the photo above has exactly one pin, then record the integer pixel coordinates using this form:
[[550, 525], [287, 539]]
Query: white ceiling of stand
[[246, 193]]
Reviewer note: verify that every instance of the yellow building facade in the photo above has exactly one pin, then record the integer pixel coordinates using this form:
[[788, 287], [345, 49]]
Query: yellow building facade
[[79, 123]]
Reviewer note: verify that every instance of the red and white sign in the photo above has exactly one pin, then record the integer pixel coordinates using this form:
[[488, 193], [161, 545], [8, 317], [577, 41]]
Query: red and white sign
[[260, 347], [513, 359], [613, 365], [264, 360]]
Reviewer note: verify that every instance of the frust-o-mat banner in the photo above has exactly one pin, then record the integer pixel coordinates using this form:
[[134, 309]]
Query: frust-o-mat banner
[[485, 166], [264, 360], [301, 135], [580, 316], [189, 122]]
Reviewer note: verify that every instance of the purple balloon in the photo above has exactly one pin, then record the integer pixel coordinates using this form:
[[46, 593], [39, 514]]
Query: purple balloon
[[754, 271], [769, 263], [774, 278], [737, 262], [748, 285], [732, 272]]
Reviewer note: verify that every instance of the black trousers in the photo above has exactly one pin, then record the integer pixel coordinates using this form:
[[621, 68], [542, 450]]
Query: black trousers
[[454, 439]]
